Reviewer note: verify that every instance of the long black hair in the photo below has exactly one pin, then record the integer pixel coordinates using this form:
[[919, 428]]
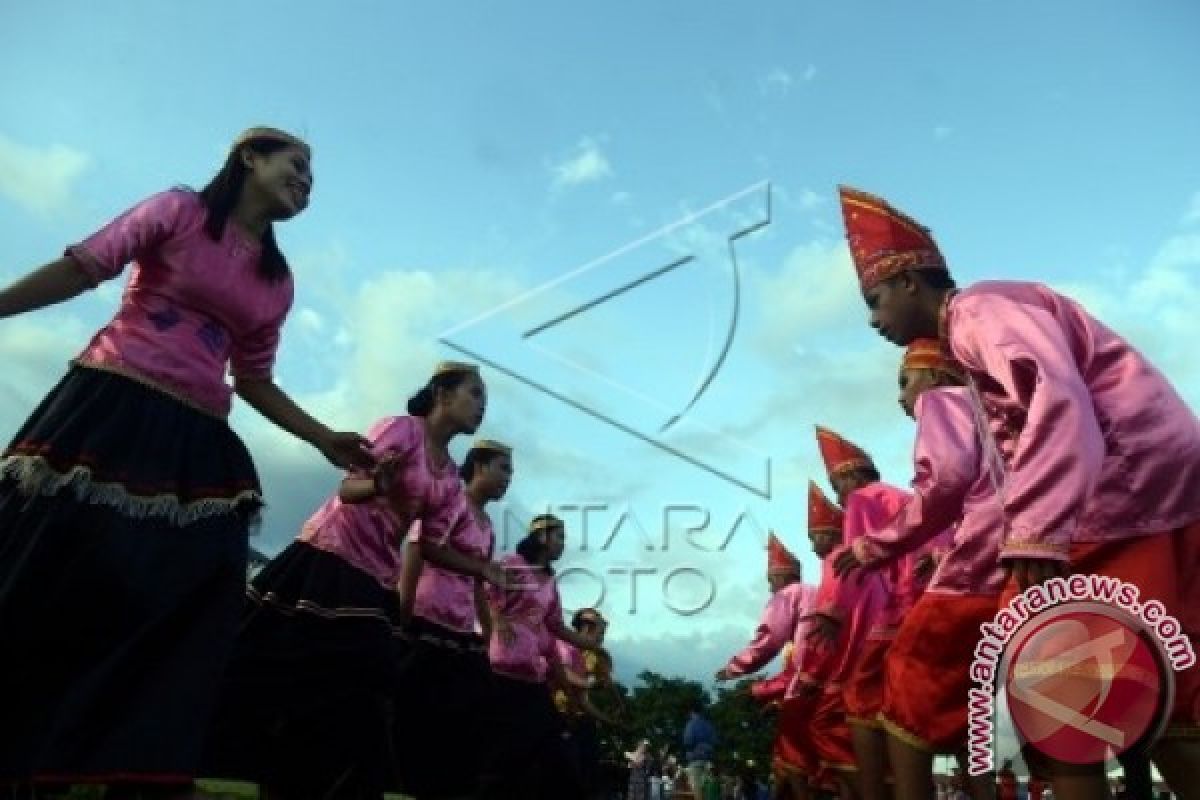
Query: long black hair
[[221, 195], [421, 403]]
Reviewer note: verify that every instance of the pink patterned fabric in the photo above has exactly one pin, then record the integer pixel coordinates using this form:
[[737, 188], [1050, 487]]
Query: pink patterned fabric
[[1097, 445], [532, 608], [949, 486], [365, 534], [193, 307], [445, 597]]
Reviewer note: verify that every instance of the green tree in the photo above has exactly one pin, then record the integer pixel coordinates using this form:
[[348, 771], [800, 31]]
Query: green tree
[[747, 730]]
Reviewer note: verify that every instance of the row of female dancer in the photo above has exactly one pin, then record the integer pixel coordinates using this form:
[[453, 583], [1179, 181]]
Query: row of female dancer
[[384, 649]]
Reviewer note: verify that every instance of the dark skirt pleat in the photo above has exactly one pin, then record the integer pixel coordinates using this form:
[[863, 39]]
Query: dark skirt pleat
[[442, 691], [124, 516], [306, 707]]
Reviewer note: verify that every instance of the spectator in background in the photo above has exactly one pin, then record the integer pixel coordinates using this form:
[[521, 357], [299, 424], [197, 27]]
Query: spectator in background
[[699, 749]]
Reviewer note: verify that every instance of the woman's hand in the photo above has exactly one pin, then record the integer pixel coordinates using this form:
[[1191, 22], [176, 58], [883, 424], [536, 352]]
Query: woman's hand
[[345, 449]]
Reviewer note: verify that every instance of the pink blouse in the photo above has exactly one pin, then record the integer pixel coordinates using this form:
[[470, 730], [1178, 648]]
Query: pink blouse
[[949, 486], [532, 608], [365, 534], [445, 597], [192, 306], [1091, 442], [786, 618]]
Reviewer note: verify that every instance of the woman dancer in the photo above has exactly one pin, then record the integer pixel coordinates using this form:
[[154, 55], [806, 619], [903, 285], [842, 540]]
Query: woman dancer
[[306, 710], [528, 758], [126, 499], [443, 683]]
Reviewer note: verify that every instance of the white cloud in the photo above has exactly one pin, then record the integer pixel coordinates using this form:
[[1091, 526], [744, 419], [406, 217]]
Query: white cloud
[[35, 350], [815, 291], [942, 132], [810, 72], [778, 81], [587, 165], [39, 179], [309, 320]]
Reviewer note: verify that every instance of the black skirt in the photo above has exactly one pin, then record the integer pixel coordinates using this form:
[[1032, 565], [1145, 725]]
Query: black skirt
[[527, 755], [124, 515], [442, 690], [306, 707]]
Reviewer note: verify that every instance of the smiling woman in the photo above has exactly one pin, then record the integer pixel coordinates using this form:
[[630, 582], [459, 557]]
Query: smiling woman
[[126, 498]]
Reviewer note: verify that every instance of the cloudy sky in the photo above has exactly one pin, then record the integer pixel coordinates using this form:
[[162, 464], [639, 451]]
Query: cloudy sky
[[554, 190]]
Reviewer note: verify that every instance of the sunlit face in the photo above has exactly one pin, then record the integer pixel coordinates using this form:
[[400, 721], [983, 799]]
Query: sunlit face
[[465, 404], [892, 309], [912, 383], [283, 178]]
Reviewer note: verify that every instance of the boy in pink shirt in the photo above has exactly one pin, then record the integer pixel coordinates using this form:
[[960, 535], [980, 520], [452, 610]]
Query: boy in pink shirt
[[1095, 455], [784, 624], [864, 607], [927, 669], [824, 658]]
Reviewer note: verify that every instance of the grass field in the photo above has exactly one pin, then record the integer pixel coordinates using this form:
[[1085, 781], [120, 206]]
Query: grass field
[[217, 790]]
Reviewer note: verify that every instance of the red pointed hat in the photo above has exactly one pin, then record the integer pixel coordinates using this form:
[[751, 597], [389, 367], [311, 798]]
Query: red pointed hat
[[930, 354], [840, 454], [883, 240], [780, 561], [823, 515]]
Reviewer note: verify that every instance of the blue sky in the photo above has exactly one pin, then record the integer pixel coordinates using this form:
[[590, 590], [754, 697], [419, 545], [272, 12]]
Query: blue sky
[[467, 155]]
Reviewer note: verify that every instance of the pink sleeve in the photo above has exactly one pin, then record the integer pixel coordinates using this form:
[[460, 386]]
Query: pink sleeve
[[550, 653], [449, 521], [774, 688], [497, 597], [394, 436], [565, 651], [150, 223], [945, 463], [815, 658], [843, 594], [390, 436], [829, 590], [253, 355], [773, 632], [1058, 455]]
